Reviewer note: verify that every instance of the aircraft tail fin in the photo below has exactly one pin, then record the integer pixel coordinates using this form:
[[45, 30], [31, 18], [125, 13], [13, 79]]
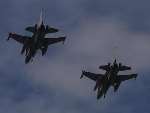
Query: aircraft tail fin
[[115, 61], [40, 19]]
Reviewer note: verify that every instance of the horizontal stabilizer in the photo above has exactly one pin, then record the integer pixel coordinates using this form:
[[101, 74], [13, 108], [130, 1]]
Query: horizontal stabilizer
[[124, 68], [31, 29], [105, 67], [51, 30]]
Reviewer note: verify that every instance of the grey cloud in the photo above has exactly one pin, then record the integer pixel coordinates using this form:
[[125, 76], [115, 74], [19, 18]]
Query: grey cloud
[[91, 45], [134, 13], [93, 29]]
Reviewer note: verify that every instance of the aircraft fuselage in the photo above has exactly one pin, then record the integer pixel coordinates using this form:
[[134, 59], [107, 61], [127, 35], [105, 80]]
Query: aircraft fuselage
[[108, 80], [34, 44]]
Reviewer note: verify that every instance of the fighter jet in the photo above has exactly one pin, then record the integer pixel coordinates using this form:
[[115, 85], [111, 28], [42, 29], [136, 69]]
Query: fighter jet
[[109, 78], [37, 41]]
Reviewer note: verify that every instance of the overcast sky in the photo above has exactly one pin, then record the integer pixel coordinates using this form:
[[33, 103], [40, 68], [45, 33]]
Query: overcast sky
[[97, 32]]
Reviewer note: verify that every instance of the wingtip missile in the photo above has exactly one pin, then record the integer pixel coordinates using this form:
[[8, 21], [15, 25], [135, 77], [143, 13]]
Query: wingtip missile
[[9, 36], [82, 74]]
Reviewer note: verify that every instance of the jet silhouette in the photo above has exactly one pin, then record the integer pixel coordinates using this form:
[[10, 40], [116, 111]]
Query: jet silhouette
[[37, 41], [110, 78]]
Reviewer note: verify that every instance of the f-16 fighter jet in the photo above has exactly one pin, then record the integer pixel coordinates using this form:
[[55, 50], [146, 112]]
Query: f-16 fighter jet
[[37, 41], [110, 78]]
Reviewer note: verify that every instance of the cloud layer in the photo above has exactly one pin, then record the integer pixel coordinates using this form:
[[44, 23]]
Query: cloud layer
[[97, 32]]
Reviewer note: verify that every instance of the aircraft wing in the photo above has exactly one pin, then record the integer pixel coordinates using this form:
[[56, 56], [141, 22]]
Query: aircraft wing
[[51, 30], [122, 78], [48, 41], [91, 76], [18, 38], [30, 29]]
